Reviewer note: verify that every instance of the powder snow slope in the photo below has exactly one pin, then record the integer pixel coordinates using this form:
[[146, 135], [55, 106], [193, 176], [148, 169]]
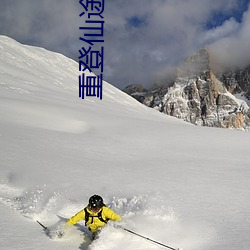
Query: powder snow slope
[[176, 183]]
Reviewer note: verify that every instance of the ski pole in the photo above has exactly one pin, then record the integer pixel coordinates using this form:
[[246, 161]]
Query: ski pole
[[45, 228], [146, 238]]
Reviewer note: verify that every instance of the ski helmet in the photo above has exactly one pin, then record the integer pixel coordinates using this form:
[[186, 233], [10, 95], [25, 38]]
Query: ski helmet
[[95, 202]]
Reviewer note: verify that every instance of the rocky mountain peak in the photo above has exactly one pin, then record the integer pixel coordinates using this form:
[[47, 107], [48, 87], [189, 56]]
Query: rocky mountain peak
[[202, 97], [196, 64]]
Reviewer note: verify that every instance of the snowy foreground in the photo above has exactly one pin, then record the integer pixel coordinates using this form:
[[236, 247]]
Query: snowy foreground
[[179, 184]]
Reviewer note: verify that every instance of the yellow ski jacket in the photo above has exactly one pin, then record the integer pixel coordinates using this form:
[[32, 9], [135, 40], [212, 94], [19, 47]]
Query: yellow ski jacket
[[94, 223]]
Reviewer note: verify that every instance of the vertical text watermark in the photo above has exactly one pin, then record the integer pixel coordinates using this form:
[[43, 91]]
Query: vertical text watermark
[[91, 58]]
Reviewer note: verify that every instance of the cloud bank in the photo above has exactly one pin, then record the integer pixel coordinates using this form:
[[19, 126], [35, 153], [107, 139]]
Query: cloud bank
[[144, 39]]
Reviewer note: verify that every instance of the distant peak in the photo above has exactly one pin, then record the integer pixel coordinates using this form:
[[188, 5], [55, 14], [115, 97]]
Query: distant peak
[[196, 64]]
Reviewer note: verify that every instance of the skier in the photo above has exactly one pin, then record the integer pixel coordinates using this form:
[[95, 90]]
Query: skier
[[95, 214]]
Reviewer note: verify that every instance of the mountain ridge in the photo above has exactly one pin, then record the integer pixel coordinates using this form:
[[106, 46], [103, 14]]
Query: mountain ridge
[[202, 96]]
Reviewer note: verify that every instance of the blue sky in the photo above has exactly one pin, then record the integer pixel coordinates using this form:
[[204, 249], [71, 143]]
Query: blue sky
[[144, 39], [218, 17]]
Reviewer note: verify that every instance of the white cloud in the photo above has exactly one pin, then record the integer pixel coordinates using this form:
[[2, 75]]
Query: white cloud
[[173, 30], [170, 30], [233, 50], [228, 28]]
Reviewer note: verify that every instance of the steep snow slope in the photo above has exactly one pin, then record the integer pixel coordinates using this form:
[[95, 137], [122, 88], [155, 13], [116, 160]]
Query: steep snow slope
[[182, 185]]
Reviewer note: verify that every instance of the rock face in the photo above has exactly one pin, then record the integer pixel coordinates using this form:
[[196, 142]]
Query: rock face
[[201, 97], [237, 81], [137, 91]]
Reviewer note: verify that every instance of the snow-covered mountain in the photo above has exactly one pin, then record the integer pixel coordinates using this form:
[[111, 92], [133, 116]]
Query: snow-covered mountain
[[201, 96], [182, 185]]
